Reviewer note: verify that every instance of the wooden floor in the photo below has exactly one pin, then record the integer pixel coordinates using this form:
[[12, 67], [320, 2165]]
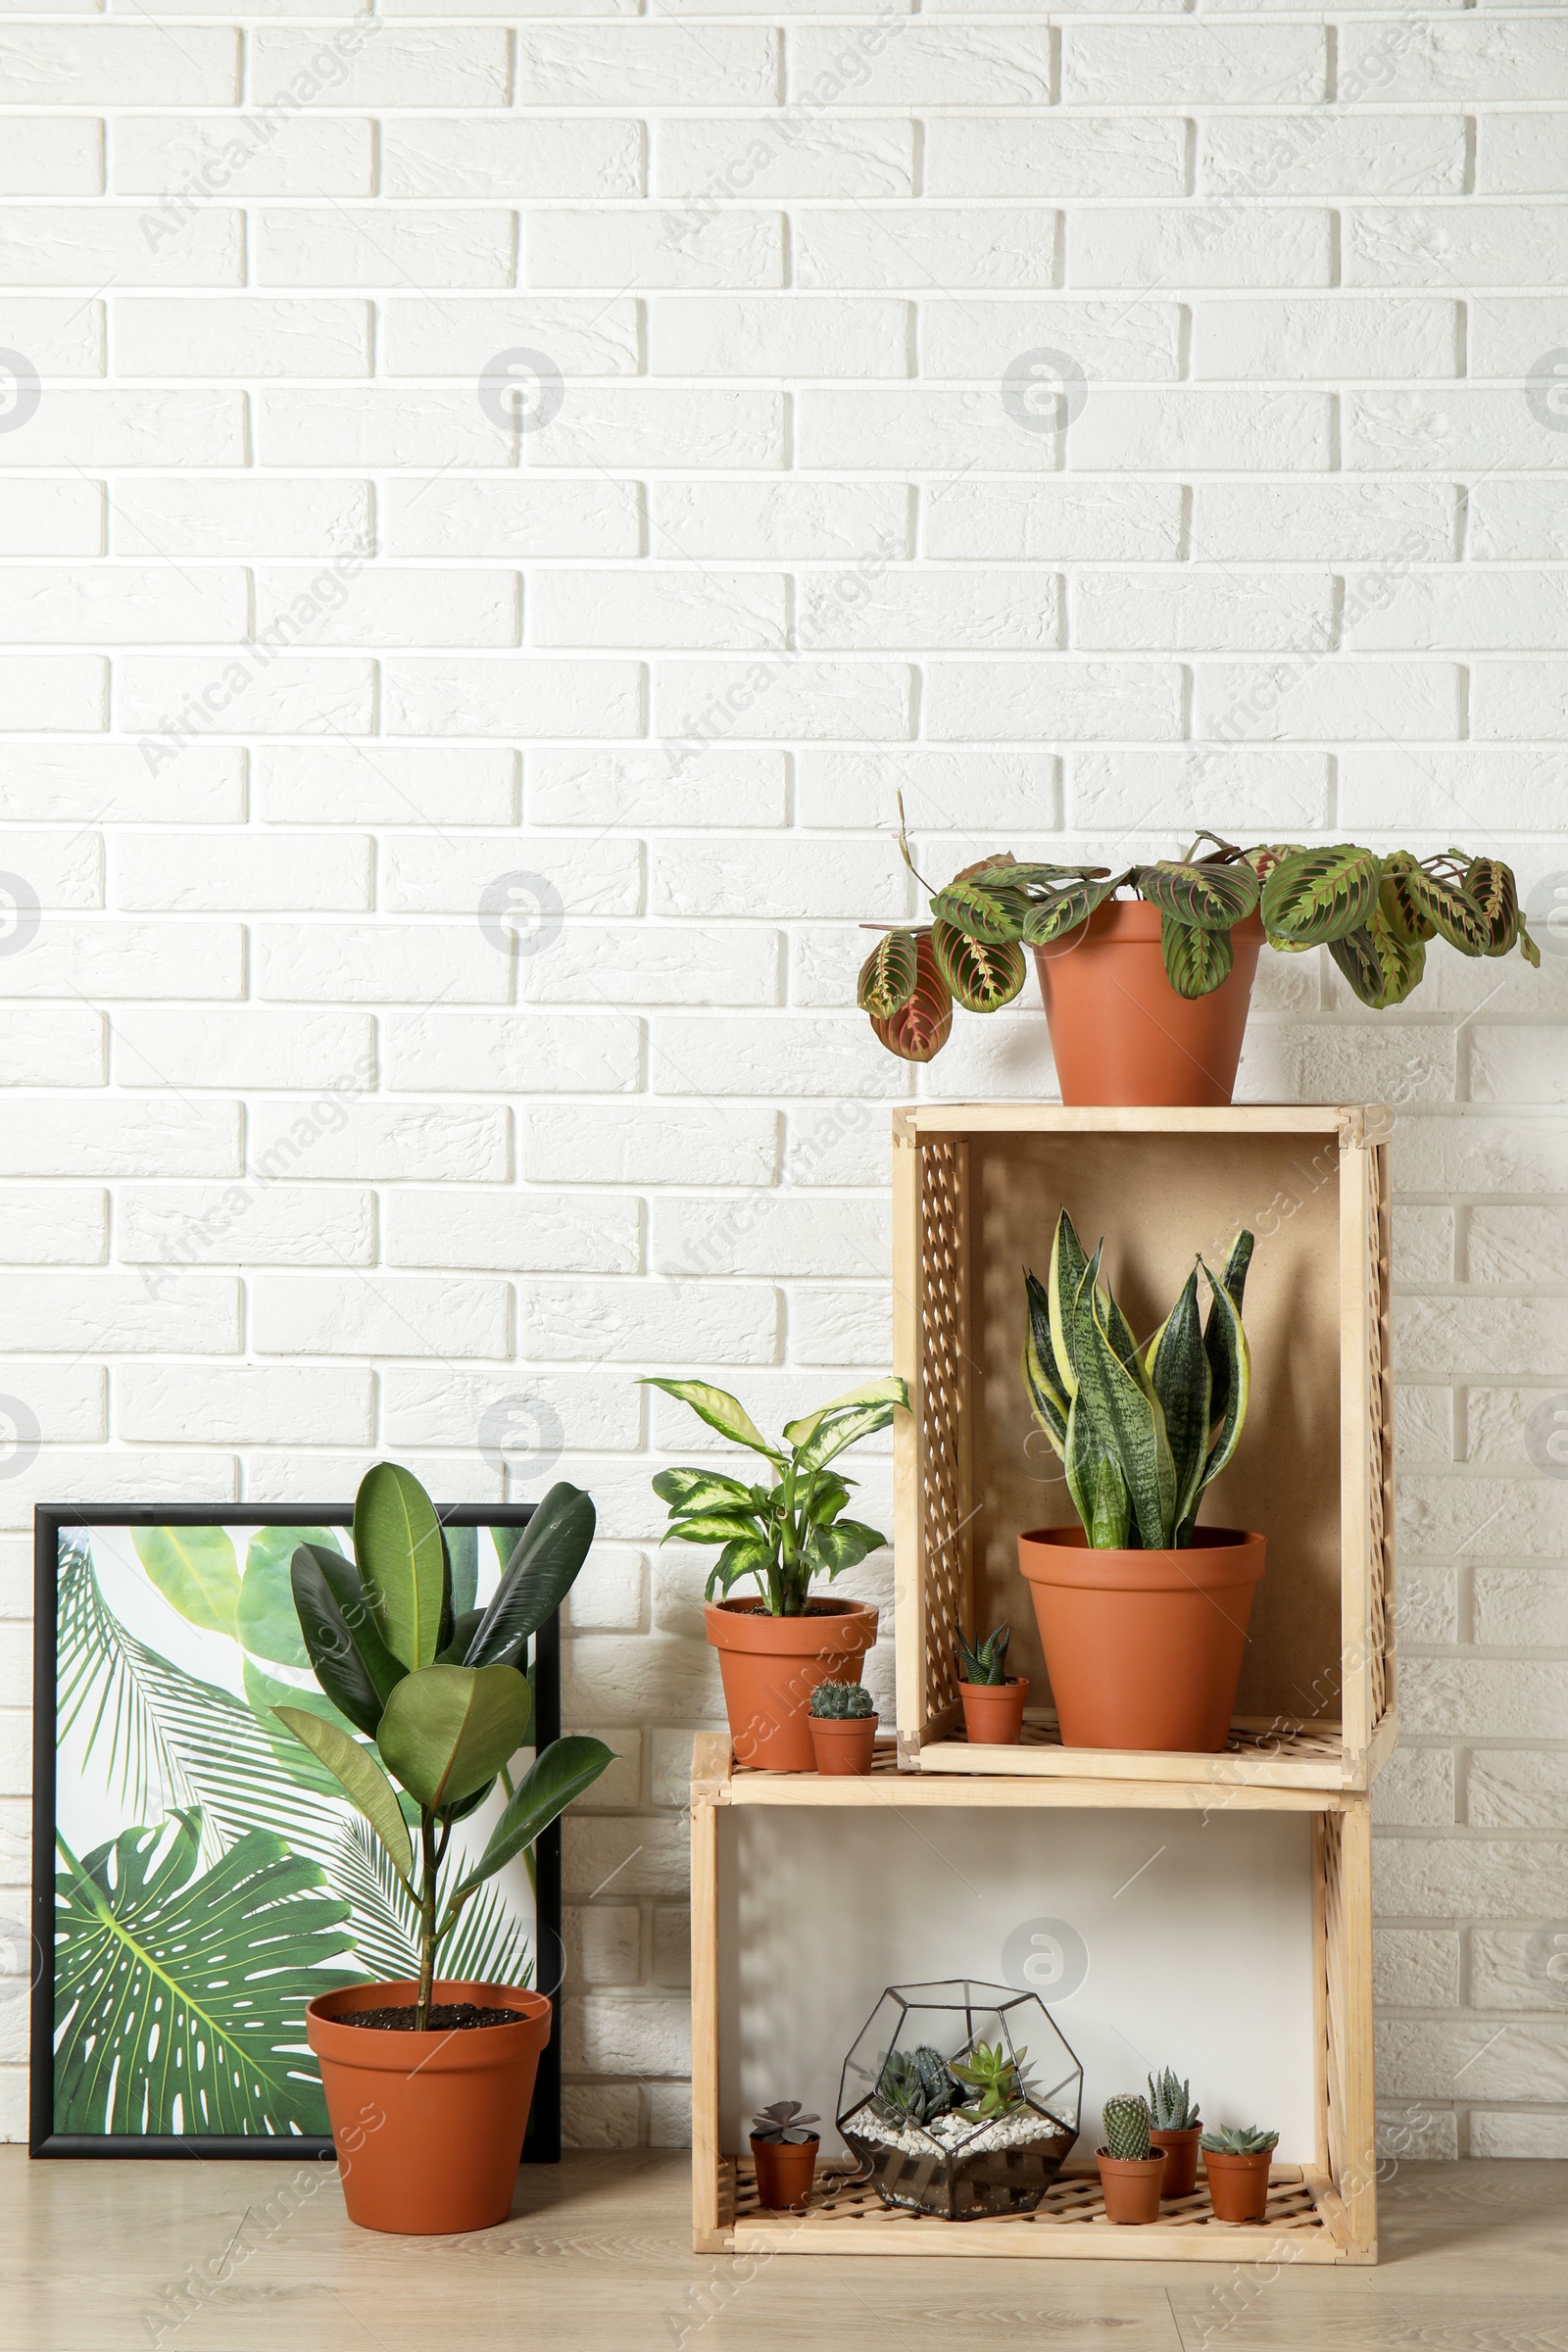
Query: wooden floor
[[100, 2257]]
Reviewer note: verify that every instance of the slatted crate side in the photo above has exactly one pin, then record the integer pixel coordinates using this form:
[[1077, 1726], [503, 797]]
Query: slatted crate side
[[1384, 1679], [933, 1459], [1346, 2092]]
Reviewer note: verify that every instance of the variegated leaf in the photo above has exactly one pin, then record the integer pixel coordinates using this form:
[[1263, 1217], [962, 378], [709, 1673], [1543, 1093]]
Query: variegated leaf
[[1050, 918], [920, 1028], [982, 978], [888, 975], [983, 907], [1196, 961], [1178, 1365], [1450, 910], [1268, 855], [1319, 895], [1490, 884], [1213, 897], [1399, 901]]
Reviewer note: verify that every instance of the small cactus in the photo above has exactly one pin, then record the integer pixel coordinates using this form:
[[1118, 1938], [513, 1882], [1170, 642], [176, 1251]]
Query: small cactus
[[1238, 2139], [837, 1702], [1171, 2105], [1127, 2125], [916, 2084], [986, 1661]]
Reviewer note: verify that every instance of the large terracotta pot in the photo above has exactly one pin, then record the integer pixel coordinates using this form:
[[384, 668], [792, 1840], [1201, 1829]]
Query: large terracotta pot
[[1144, 1648], [1238, 2186], [771, 1665], [993, 1712], [428, 2127], [1119, 1031]]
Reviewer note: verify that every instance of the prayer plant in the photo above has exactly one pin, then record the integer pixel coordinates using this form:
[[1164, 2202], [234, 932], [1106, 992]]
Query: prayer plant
[[443, 1702]]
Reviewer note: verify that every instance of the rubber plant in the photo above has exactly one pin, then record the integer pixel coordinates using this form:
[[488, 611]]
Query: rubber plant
[[442, 1703], [1374, 913]]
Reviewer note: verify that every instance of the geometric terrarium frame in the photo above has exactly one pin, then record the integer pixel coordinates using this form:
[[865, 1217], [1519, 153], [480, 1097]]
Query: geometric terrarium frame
[[196, 1877]]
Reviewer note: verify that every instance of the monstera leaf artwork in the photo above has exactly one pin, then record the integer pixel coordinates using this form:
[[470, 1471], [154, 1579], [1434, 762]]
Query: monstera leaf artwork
[[180, 1993]]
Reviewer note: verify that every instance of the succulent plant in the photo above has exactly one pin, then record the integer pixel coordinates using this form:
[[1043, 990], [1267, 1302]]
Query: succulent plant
[[1127, 2127], [1171, 2105], [995, 2076], [787, 1534], [986, 1663], [839, 1702], [916, 2084], [1374, 915], [784, 2124], [1141, 1432], [1238, 2139]]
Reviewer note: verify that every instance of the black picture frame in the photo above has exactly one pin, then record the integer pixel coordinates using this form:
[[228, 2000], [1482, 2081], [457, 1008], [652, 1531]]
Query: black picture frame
[[542, 2145]]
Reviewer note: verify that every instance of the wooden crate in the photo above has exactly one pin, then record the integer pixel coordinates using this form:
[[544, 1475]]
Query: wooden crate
[[976, 1192], [1322, 2212]]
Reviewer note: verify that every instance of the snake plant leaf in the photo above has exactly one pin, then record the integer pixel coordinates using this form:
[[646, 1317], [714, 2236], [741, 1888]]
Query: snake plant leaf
[[1232, 1338], [983, 907], [402, 1561], [351, 1661], [1052, 917], [720, 1410], [1043, 1383], [1097, 1486], [1069, 1266], [1192, 891], [1233, 1281], [1492, 886], [364, 1783], [888, 975], [1177, 1364], [1127, 1417], [447, 1729], [195, 1570], [566, 1768], [539, 1575], [890, 1390], [982, 978], [1196, 962], [179, 2000], [921, 1029], [1319, 895], [1450, 909]]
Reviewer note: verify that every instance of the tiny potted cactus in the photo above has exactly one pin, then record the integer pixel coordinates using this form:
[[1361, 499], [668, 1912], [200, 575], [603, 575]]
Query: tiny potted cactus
[[993, 1700], [784, 2148], [1131, 2169], [1236, 2160], [844, 1722], [1176, 2127]]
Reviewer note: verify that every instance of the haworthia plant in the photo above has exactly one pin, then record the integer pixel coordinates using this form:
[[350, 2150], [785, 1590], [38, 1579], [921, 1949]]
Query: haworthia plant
[[1373, 913], [1141, 1432]]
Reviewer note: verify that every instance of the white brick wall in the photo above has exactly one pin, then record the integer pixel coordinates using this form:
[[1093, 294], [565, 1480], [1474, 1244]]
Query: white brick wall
[[304, 646]]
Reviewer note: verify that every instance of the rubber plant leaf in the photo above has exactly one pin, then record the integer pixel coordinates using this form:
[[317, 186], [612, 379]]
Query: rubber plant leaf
[[402, 1561], [1212, 897], [1051, 918], [919, 1031], [1233, 1281], [351, 1661], [179, 1998], [720, 1410], [1319, 895], [1492, 886], [566, 1768], [539, 1575], [1177, 1363], [1196, 962], [362, 1783], [982, 978], [1450, 910], [983, 907], [888, 975], [195, 1570], [447, 1729]]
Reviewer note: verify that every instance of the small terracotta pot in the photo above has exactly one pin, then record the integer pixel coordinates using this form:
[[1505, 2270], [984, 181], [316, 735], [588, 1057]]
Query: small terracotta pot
[[1238, 2186], [428, 2127], [1144, 1648], [844, 1743], [771, 1665], [1181, 2160], [784, 2172], [1119, 1031], [993, 1712], [1130, 2185]]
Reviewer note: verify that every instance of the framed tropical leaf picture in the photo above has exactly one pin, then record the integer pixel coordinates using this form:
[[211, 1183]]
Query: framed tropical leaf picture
[[197, 1876]]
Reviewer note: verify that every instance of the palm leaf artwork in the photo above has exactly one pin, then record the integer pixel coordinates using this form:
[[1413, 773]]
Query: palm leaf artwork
[[180, 1993], [163, 1741]]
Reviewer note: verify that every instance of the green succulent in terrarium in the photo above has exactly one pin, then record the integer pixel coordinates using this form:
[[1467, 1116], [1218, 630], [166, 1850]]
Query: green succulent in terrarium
[[915, 2086], [995, 2077]]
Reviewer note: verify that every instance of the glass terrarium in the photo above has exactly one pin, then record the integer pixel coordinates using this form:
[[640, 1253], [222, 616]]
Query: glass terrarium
[[960, 2100]]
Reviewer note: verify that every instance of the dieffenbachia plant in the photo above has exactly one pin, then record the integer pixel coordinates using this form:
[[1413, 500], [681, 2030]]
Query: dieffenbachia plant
[[443, 1701], [1141, 1432], [788, 1533], [1374, 915]]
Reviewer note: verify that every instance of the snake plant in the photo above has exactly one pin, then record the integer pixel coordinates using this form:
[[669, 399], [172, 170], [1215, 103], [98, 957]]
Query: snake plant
[[1141, 1432], [1375, 915]]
